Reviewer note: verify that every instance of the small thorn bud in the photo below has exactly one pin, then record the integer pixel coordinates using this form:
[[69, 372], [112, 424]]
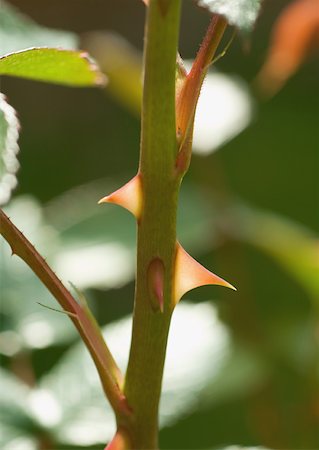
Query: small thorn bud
[[190, 274], [129, 196], [155, 276]]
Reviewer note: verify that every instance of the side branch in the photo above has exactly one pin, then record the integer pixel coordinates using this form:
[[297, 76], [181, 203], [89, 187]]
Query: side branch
[[80, 314], [189, 91]]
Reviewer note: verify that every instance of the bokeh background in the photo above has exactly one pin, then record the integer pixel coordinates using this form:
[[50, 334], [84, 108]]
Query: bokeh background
[[242, 367]]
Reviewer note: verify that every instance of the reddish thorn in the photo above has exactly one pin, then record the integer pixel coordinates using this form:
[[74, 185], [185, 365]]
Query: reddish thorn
[[128, 196], [190, 274]]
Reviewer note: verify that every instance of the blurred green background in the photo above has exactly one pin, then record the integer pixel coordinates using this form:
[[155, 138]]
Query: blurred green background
[[249, 210]]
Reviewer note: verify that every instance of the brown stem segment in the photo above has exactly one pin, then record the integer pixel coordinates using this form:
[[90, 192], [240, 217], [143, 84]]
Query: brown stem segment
[[188, 94], [80, 314]]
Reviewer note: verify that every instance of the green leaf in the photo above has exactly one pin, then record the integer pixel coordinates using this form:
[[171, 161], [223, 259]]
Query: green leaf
[[9, 133], [18, 32], [53, 65], [241, 13]]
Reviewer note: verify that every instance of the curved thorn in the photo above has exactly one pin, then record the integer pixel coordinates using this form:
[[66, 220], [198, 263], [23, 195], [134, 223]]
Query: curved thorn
[[128, 196], [190, 274]]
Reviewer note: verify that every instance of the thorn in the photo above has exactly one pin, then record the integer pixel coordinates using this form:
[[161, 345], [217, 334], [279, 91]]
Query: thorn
[[128, 196], [155, 275], [190, 274]]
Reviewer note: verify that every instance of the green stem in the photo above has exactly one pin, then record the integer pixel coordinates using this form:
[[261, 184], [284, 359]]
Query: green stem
[[157, 226]]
